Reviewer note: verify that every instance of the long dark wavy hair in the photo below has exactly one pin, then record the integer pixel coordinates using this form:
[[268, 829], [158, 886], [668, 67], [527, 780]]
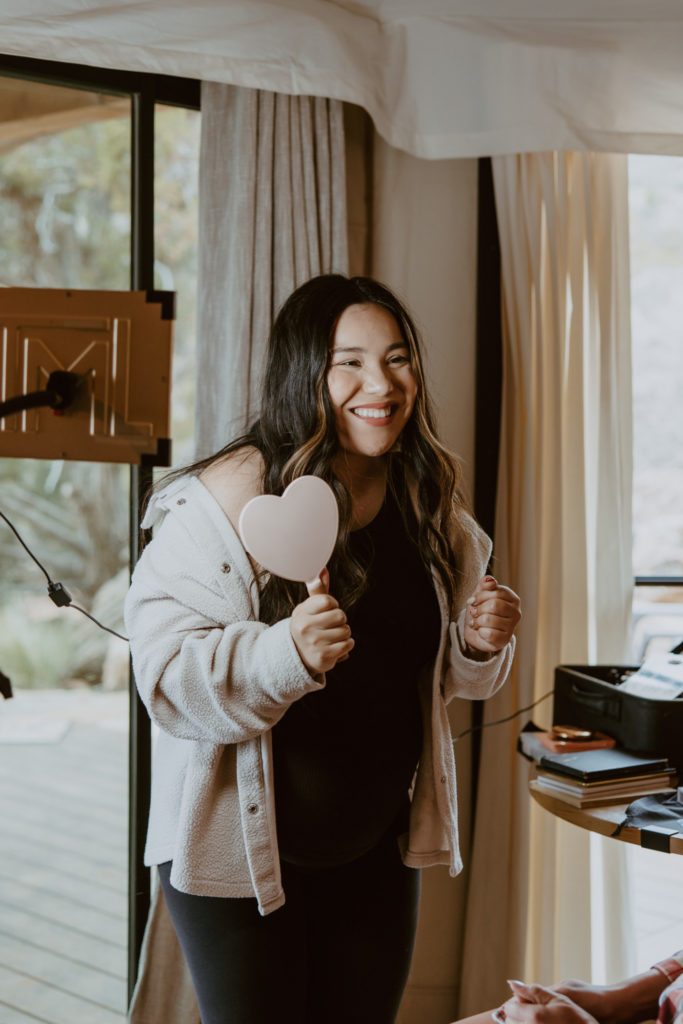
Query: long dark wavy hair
[[296, 435]]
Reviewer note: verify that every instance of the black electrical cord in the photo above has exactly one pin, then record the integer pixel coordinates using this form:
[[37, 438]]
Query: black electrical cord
[[27, 548], [57, 592], [21, 403], [500, 721], [97, 623], [62, 388]]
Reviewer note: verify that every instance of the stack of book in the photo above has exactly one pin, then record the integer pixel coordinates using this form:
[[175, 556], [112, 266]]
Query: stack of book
[[594, 778]]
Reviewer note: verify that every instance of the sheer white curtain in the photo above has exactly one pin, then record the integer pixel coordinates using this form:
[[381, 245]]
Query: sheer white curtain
[[563, 541], [272, 214]]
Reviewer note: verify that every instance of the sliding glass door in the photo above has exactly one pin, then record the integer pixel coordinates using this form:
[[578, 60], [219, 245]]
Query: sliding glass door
[[82, 208]]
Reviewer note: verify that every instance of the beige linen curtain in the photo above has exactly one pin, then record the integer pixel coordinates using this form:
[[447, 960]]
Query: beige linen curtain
[[563, 541], [272, 214]]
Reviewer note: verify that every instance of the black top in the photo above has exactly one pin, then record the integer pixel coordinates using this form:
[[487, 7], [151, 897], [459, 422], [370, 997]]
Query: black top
[[344, 756]]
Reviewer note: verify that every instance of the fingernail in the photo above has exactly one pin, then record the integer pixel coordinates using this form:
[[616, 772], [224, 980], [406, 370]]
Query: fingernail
[[489, 579]]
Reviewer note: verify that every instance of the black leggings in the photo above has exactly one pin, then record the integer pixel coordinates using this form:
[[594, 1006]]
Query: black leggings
[[339, 950]]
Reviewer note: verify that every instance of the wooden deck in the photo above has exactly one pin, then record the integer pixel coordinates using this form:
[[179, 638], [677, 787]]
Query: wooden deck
[[63, 858]]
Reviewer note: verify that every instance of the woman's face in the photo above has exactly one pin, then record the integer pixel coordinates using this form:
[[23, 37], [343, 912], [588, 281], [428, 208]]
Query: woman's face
[[371, 384]]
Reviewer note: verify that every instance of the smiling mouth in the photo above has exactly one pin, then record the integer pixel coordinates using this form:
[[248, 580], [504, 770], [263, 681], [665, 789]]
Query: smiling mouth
[[375, 413]]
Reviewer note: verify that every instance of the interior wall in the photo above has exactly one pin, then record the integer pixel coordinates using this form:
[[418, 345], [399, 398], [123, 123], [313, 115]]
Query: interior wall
[[424, 246], [413, 225]]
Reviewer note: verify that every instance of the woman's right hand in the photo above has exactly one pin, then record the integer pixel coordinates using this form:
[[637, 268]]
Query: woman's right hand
[[535, 1004], [320, 631]]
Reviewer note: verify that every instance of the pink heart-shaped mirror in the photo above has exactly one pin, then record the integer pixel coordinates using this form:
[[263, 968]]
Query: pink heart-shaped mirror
[[292, 536]]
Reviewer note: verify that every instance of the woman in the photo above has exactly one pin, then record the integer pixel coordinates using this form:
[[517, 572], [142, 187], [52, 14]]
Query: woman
[[291, 726]]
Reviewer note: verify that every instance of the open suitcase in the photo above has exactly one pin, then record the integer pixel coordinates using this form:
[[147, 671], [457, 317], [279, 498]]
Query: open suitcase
[[589, 696]]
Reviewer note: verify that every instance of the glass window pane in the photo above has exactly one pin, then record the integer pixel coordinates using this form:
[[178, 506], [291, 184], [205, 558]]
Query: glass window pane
[[65, 195], [656, 229], [657, 620], [65, 211], [65, 203]]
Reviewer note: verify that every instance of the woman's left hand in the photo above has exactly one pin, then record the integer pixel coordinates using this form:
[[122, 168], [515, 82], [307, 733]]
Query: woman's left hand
[[491, 616]]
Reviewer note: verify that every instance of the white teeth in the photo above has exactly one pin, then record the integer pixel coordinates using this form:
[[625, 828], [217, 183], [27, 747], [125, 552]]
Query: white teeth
[[373, 414]]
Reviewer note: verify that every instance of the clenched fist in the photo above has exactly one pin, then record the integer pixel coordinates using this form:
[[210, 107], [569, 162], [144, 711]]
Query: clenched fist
[[492, 614]]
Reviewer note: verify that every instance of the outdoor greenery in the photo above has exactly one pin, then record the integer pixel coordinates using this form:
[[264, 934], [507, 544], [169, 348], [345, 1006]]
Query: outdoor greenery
[[65, 210]]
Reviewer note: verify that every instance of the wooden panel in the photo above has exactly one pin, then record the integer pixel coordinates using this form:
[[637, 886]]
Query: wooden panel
[[28, 109], [117, 344]]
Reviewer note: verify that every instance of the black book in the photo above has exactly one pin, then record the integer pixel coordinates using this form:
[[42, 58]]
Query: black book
[[596, 765]]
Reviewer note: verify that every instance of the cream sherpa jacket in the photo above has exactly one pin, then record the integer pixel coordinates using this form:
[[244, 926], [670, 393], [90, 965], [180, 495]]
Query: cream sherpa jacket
[[215, 680]]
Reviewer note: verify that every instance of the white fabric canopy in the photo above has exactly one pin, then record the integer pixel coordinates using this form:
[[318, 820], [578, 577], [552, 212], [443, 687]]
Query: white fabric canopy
[[440, 78]]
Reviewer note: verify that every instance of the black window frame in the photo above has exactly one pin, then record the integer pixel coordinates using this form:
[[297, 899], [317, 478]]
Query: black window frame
[[145, 92]]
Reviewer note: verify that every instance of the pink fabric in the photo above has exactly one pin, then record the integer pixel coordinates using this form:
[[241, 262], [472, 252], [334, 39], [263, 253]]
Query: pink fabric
[[671, 999], [671, 967]]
